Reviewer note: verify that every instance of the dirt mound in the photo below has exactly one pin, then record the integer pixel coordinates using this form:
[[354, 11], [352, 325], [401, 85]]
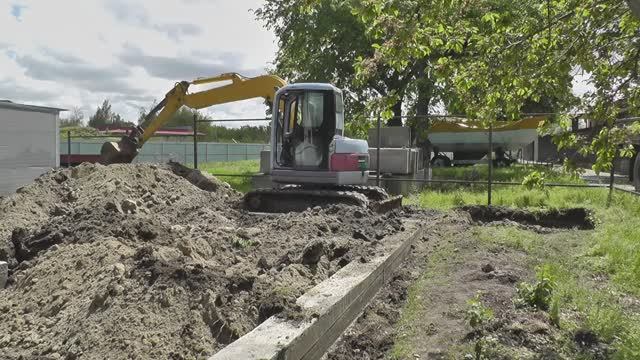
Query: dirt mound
[[575, 218], [155, 261]]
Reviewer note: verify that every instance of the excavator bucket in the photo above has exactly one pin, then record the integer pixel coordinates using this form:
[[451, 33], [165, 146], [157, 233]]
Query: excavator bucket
[[123, 151]]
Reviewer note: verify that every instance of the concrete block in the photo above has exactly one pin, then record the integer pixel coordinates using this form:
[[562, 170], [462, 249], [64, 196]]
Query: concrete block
[[4, 273], [337, 301], [393, 160], [391, 137], [265, 161]]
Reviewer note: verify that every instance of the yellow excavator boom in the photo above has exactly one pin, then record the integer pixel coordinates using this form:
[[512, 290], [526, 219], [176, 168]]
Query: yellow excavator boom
[[240, 88]]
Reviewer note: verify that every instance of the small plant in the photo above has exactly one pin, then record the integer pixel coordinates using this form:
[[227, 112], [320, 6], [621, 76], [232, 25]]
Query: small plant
[[242, 243], [536, 295], [535, 180], [477, 314]]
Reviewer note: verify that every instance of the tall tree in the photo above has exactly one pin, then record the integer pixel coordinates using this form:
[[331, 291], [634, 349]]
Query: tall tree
[[104, 116], [322, 41], [517, 52], [74, 118]]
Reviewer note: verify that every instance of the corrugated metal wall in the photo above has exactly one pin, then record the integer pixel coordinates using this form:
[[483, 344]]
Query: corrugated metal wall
[[28, 147]]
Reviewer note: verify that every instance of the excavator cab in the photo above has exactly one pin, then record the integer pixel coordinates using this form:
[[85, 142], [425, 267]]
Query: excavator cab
[[308, 139]]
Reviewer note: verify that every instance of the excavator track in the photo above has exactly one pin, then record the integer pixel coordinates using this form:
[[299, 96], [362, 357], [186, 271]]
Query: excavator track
[[298, 198]]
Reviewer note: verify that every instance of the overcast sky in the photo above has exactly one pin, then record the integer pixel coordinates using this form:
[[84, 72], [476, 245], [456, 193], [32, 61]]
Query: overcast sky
[[66, 53]]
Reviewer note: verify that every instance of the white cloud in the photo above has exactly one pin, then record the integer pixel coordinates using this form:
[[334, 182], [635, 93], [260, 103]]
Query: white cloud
[[69, 53]]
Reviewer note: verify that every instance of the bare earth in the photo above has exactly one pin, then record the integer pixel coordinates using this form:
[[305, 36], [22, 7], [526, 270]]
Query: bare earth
[[135, 261]]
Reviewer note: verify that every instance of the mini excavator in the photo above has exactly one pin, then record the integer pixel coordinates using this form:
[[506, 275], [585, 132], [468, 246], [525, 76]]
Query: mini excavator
[[312, 162]]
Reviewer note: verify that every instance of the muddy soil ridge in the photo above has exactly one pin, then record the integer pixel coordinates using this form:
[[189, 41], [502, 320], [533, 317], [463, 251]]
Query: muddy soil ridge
[[157, 261], [571, 218]]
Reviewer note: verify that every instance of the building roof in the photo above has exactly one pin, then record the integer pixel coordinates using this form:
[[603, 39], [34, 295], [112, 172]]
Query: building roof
[[7, 104]]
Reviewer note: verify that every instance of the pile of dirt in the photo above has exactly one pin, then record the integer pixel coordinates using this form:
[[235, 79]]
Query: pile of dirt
[[571, 218], [156, 261]]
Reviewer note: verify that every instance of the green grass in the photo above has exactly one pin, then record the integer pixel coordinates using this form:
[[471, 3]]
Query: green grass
[[514, 173], [243, 167]]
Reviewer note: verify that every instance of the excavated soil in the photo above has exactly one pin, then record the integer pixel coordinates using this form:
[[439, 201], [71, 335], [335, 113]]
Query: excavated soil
[[155, 261], [573, 218]]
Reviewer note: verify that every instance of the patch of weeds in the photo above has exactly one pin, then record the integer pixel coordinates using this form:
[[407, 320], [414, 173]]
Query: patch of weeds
[[458, 199], [629, 346], [605, 317], [537, 295], [509, 236], [242, 243], [531, 199], [479, 316]]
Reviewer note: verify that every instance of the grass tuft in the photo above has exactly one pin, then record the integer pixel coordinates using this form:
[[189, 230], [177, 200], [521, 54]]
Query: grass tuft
[[243, 167]]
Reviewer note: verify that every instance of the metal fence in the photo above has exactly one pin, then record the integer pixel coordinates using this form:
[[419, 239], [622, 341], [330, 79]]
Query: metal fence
[[84, 148], [198, 154]]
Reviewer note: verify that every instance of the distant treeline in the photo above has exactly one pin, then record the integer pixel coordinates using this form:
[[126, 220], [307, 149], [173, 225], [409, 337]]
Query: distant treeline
[[183, 119], [244, 134]]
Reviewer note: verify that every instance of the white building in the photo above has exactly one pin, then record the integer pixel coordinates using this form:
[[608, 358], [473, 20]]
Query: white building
[[29, 143]]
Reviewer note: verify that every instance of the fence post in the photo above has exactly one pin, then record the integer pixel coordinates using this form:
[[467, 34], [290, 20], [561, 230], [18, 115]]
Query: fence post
[[490, 156], [611, 178], [68, 148], [195, 141], [227, 150], [206, 152], [378, 154]]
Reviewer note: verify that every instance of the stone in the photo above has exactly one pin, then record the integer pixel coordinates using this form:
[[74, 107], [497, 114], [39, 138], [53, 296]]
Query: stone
[[312, 253], [360, 234], [263, 263], [119, 270], [128, 206], [487, 268], [111, 206], [248, 233], [4, 273]]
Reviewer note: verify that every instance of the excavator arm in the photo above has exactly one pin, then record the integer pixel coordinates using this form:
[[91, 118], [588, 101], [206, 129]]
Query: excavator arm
[[240, 88]]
